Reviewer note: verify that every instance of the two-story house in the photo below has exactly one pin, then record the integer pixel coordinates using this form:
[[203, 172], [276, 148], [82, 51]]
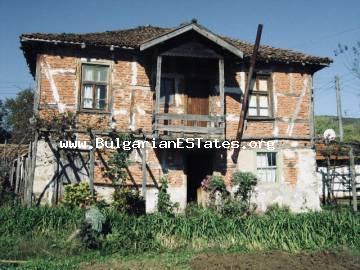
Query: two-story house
[[173, 83]]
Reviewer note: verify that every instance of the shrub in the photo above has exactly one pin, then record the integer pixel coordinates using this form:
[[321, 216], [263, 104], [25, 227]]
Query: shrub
[[119, 160], [7, 196], [94, 228], [245, 182], [128, 201], [77, 195], [164, 204]]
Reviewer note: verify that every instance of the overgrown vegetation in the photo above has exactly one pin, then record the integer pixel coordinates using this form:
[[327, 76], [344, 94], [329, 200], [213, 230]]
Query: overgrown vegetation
[[129, 201], [43, 232], [164, 204], [78, 195]]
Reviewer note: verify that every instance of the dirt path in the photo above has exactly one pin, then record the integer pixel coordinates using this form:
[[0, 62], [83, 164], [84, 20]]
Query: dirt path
[[276, 260], [221, 261]]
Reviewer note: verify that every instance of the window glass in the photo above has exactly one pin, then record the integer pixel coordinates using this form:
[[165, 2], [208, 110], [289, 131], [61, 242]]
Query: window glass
[[88, 73], [94, 93], [263, 84], [252, 102], [88, 96], [100, 97], [263, 101], [266, 166]]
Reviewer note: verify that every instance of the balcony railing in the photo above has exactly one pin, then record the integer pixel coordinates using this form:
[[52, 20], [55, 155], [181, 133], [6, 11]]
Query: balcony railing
[[189, 124]]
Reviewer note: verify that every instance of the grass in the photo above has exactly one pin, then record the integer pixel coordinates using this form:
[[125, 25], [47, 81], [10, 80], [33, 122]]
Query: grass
[[39, 235]]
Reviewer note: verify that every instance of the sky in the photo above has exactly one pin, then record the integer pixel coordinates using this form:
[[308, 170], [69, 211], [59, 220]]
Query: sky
[[309, 26]]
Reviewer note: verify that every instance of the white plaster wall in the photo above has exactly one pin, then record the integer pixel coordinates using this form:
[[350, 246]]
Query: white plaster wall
[[304, 196], [44, 172], [104, 192], [177, 195]]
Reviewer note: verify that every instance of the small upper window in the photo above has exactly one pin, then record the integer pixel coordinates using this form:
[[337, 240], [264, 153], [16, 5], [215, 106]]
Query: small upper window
[[266, 166], [167, 91], [259, 103], [94, 86]]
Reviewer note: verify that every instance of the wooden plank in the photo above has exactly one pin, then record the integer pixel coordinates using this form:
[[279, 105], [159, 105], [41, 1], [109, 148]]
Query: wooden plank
[[144, 173], [221, 85], [158, 86], [353, 179], [17, 177], [27, 178], [193, 117], [12, 182], [31, 170], [202, 130], [92, 166]]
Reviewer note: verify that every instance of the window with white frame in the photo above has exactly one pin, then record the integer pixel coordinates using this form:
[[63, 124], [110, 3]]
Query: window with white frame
[[259, 103], [94, 86], [167, 91], [266, 166]]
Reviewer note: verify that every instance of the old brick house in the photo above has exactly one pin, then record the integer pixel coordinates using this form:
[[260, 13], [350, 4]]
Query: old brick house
[[178, 82]]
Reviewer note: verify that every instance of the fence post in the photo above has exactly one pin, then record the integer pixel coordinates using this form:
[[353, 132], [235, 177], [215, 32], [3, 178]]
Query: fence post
[[353, 179]]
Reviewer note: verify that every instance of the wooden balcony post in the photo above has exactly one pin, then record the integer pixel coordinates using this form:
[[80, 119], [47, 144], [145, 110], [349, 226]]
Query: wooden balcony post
[[221, 85], [157, 89]]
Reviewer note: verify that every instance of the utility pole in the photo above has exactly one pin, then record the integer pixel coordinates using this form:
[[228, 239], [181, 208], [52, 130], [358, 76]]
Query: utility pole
[[339, 111]]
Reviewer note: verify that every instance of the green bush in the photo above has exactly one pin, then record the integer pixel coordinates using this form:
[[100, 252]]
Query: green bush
[[245, 181], [129, 201], [164, 204], [78, 195]]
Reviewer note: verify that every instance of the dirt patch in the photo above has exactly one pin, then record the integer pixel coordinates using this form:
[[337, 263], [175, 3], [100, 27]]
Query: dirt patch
[[276, 260]]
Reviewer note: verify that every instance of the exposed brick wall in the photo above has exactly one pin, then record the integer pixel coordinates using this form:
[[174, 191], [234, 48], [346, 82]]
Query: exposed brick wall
[[132, 104]]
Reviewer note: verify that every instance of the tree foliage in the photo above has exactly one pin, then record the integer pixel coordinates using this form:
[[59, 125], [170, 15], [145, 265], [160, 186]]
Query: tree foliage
[[14, 117]]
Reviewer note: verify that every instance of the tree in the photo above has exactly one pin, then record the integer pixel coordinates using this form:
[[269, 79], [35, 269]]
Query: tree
[[17, 112], [4, 133]]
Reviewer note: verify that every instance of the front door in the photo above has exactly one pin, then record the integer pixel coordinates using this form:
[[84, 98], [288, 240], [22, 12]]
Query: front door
[[197, 99]]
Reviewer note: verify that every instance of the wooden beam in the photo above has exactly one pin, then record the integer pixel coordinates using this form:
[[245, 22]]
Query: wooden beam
[[189, 129], [92, 164], [17, 177], [29, 181], [353, 179], [27, 178], [221, 85], [144, 173], [189, 117], [245, 102], [158, 86]]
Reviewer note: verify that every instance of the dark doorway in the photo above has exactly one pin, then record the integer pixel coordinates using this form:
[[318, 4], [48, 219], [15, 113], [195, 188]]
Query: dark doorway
[[199, 165]]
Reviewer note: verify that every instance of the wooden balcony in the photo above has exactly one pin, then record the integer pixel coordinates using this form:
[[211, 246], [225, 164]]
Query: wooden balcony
[[189, 125]]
